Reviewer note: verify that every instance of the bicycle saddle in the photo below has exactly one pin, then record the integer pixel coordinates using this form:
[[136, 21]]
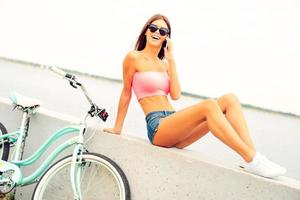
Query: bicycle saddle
[[23, 101]]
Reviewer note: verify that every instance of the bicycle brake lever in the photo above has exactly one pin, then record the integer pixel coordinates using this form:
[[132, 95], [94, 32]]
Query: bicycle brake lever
[[72, 80], [72, 84], [92, 110]]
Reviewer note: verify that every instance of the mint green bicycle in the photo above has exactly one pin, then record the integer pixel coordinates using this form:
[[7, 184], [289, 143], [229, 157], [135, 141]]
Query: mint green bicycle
[[80, 176]]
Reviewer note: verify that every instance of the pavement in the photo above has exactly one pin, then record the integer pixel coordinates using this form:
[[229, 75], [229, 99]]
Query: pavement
[[276, 135]]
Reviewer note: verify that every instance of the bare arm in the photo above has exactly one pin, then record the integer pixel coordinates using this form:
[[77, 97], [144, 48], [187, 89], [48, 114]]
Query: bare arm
[[175, 89], [128, 72]]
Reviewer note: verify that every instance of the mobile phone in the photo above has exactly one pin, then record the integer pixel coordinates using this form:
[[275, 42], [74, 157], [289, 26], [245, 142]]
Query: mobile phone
[[165, 44]]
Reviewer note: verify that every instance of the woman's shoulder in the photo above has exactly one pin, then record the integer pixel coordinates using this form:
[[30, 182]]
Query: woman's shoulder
[[131, 61], [133, 55]]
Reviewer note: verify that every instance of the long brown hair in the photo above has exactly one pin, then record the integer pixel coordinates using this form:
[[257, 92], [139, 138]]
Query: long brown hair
[[141, 42]]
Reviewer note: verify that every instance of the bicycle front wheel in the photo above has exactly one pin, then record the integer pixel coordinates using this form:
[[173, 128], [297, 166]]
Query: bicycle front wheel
[[4, 146], [101, 178]]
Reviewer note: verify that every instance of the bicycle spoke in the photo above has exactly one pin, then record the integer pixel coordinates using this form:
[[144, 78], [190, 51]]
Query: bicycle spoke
[[56, 185], [98, 180], [93, 179]]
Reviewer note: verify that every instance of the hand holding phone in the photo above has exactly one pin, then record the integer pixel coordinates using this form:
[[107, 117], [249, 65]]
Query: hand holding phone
[[165, 43], [168, 48]]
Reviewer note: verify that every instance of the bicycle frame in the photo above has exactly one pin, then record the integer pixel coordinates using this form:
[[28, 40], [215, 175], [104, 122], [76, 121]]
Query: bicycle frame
[[41, 150]]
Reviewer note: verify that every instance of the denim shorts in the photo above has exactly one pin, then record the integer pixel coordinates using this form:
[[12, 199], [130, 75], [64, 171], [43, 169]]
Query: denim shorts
[[153, 119]]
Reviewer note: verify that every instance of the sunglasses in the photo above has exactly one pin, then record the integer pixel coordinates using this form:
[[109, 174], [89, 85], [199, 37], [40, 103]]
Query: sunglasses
[[162, 31]]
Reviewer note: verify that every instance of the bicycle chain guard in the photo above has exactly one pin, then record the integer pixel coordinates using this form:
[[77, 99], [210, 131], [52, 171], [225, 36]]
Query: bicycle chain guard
[[6, 183], [10, 174]]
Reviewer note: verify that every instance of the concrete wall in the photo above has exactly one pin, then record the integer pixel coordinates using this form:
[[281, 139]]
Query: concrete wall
[[154, 172]]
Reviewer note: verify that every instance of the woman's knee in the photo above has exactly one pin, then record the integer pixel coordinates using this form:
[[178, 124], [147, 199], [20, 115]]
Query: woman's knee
[[210, 106], [229, 100]]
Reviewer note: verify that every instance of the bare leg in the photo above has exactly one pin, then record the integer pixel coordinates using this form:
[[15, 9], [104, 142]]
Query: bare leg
[[181, 124], [197, 133], [232, 108]]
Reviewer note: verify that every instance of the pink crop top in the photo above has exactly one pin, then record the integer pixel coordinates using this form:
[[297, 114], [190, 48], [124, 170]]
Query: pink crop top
[[150, 83]]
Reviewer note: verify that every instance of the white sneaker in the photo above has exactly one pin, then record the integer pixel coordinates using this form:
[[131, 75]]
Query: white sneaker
[[280, 169], [261, 166]]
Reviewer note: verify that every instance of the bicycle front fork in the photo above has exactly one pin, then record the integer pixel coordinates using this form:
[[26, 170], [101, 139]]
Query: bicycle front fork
[[75, 171]]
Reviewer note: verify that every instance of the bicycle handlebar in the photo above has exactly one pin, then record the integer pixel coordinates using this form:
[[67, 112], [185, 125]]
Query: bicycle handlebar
[[95, 110], [58, 71], [71, 78]]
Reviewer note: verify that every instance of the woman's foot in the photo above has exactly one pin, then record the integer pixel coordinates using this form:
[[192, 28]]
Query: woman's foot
[[262, 166]]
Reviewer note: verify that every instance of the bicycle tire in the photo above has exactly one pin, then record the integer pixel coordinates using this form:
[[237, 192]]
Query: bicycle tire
[[56, 184], [4, 147]]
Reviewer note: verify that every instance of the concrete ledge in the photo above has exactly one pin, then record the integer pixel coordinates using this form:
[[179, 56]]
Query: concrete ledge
[[154, 172]]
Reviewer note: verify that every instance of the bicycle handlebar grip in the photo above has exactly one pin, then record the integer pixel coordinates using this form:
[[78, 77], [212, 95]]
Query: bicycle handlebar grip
[[58, 71]]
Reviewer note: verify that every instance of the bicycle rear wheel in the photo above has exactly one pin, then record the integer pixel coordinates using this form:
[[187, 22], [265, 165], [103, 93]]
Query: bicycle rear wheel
[[101, 178], [4, 146]]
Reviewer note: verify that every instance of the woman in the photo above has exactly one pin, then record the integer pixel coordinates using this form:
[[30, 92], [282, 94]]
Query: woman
[[150, 70]]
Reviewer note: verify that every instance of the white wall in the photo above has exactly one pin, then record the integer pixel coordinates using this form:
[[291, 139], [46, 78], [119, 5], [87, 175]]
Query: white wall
[[250, 48]]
